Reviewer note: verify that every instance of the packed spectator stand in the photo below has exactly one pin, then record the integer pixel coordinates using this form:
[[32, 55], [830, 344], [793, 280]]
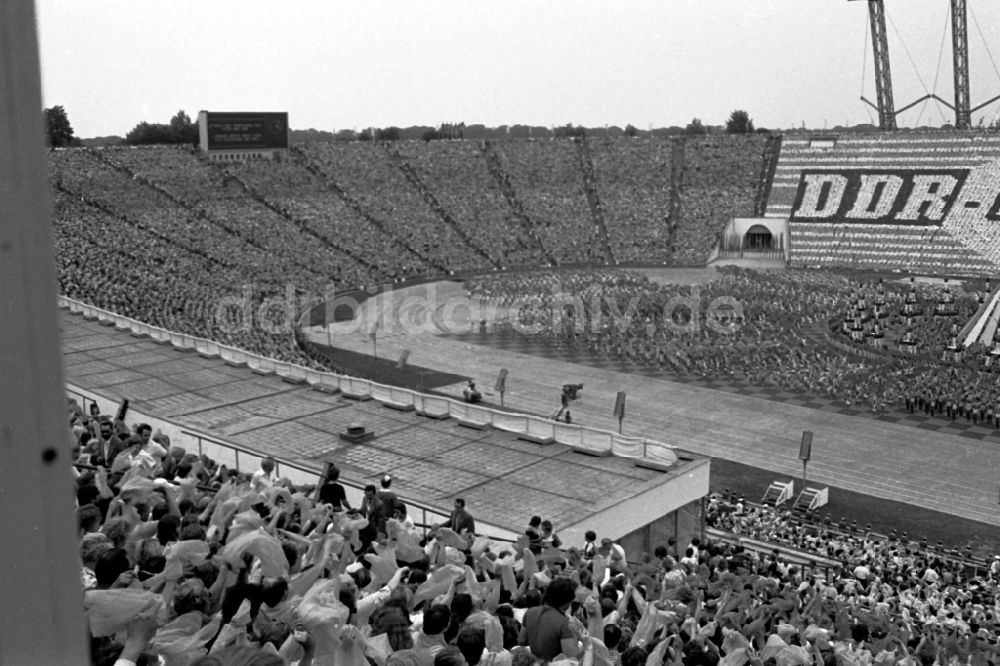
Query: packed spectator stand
[[720, 179], [191, 563], [162, 234], [634, 183], [486, 216]]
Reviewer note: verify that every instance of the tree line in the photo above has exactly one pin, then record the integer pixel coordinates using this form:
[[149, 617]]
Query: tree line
[[739, 123], [181, 130]]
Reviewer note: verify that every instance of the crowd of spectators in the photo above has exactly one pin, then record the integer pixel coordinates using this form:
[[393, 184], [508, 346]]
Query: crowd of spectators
[[165, 236], [366, 172], [973, 227], [313, 199], [593, 196], [827, 539], [966, 244], [764, 328], [354, 213], [916, 250], [186, 562], [719, 181], [207, 196], [133, 271], [454, 171], [547, 178], [171, 239], [161, 236], [633, 180]]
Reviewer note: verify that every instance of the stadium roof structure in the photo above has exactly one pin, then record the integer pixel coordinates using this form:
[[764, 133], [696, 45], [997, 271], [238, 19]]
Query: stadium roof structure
[[504, 480]]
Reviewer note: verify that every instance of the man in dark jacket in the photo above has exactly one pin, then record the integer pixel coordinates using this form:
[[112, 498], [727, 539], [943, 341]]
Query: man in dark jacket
[[461, 520], [105, 446]]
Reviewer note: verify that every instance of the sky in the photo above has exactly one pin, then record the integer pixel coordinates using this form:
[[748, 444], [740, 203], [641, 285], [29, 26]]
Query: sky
[[347, 64]]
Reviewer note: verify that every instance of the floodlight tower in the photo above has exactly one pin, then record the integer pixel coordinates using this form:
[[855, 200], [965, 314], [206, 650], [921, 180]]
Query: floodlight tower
[[960, 62], [883, 77]]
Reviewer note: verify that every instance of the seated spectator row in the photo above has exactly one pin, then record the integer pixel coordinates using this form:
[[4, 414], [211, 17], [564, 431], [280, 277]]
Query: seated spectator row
[[878, 247]]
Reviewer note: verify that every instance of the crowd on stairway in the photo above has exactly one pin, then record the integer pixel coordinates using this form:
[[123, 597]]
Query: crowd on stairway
[[186, 562]]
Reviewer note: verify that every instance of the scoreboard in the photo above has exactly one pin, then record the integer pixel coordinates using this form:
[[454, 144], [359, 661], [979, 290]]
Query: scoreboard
[[243, 131]]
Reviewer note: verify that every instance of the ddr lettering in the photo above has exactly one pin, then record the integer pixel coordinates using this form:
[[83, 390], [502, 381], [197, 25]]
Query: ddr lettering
[[912, 197]]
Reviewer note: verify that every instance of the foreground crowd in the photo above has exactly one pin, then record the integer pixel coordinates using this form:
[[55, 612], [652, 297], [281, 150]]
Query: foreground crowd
[[767, 328], [185, 562]]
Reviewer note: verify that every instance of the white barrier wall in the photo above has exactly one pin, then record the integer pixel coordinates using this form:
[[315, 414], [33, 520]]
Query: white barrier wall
[[591, 439]]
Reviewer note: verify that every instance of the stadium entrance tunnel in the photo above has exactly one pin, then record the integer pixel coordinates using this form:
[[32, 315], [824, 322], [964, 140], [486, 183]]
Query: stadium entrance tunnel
[[758, 237]]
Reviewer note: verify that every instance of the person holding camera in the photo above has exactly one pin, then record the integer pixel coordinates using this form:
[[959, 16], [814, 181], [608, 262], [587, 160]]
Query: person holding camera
[[471, 394], [570, 392]]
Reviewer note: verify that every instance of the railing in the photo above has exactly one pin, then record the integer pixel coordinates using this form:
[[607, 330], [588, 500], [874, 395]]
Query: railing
[[245, 459], [974, 566], [747, 253], [592, 440], [802, 558]]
